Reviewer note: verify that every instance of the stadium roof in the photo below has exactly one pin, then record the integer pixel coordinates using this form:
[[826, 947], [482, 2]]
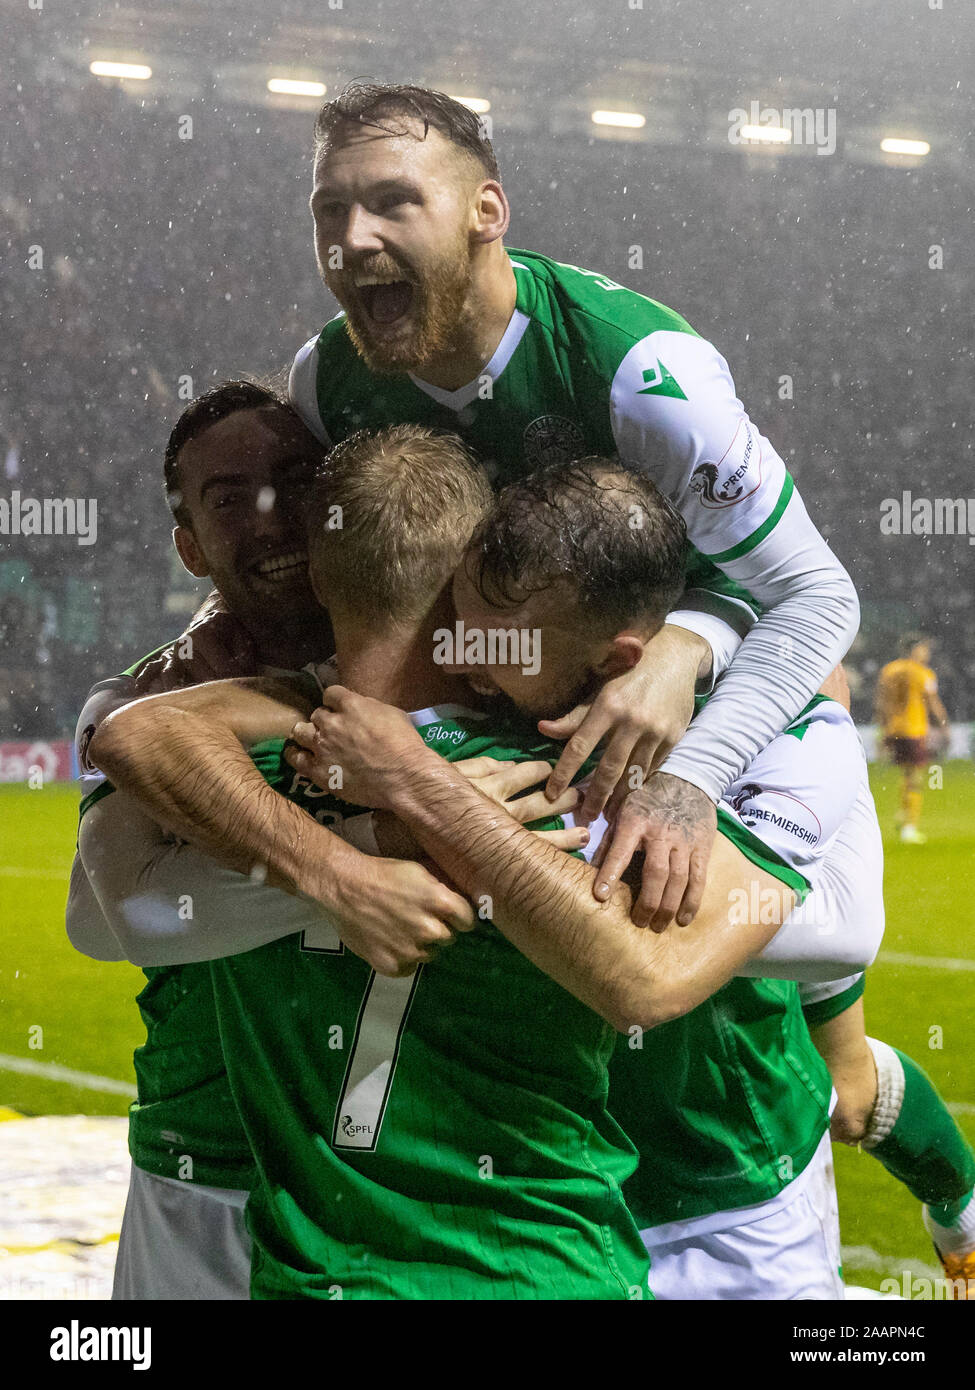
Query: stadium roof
[[894, 65]]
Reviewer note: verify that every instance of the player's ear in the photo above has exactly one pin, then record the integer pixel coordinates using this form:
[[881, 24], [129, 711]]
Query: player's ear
[[189, 552], [491, 212], [621, 655]]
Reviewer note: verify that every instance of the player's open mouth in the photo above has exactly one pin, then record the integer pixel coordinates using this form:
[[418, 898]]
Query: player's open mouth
[[282, 569], [385, 300]]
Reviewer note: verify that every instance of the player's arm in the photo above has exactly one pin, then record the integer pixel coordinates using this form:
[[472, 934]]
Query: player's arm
[[935, 708], [165, 902], [160, 901], [89, 930], [744, 516], [541, 900], [303, 389], [747, 521], [181, 757], [838, 929]]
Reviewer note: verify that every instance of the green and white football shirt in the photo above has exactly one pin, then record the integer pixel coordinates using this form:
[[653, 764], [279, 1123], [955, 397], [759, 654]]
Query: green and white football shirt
[[183, 1123], [442, 1136], [587, 366]]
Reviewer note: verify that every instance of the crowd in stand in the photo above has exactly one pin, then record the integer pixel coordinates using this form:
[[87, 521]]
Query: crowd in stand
[[145, 266]]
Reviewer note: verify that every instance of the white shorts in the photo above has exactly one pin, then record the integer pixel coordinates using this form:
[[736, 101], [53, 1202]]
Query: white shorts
[[786, 1248], [180, 1241]]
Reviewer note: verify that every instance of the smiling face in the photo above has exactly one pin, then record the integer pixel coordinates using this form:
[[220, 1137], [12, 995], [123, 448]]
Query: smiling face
[[393, 217], [242, 484]]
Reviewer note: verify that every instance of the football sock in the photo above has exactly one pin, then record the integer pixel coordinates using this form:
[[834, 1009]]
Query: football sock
[[914, 1136]]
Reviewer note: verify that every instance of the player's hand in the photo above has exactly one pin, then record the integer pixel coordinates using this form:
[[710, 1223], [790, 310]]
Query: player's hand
[[357, 746], [214, 646], [395, 915], [672, 824], [506, 782], [641, 714]]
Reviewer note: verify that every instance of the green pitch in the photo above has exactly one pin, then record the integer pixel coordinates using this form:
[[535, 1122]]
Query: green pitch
[[72, 1024]]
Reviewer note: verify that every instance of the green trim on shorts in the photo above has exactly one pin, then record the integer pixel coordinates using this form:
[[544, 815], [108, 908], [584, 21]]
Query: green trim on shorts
[[760, 854], [826, 1009]]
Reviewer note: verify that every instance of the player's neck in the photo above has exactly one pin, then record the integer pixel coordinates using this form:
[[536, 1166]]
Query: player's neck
[[291, 646], [483, 322], [396, 664]]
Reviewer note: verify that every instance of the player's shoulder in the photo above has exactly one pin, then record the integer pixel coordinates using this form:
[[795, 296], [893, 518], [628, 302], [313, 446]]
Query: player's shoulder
[[329, 347], [822, 710], [590, 305], [330, 353]]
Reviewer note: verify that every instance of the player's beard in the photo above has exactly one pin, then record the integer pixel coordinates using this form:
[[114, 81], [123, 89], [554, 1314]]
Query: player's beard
[[440, 294]]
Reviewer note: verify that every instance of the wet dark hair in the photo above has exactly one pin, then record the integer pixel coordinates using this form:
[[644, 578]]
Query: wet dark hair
[[374, 103], [215, 404], [600, 526]]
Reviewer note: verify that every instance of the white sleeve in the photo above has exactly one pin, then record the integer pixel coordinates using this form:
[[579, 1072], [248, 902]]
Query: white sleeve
[[804, 811], [723, 622], [87, 927], [303, 389], [103, 699], [805, 802], [675, 411], [169, 904], [838, 929]]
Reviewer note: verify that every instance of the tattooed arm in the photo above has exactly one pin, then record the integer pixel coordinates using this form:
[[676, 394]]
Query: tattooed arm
[[672, 824]]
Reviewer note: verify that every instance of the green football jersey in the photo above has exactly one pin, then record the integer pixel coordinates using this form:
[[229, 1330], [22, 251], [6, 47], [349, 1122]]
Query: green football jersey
[[728, 1104], [725, 1105], [183, 1123], [442, 1136], [586, 366]]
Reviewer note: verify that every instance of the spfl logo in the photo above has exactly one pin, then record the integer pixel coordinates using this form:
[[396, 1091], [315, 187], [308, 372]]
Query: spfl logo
[[704, 481], [352, 1130], [723, 484], [777, 810]]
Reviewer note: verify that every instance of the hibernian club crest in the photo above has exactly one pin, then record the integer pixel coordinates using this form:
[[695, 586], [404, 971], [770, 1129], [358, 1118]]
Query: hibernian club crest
[[554, 439]]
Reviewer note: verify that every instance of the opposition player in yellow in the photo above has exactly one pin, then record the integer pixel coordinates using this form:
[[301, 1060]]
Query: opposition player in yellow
[[906, 702]]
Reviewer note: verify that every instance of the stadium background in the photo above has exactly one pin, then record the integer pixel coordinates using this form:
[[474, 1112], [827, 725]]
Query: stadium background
[[168, 258]]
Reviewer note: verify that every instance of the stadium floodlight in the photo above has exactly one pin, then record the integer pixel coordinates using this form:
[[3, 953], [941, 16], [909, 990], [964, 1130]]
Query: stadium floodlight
[[768, 134], [628, 119], [292, 87], [479, 105], [138, 71], [891, 145]]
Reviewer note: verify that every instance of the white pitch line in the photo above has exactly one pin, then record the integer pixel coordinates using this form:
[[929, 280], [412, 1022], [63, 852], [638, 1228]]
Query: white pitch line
[[930, 962], [961, 1107], [15, 871], [53, 1071]]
